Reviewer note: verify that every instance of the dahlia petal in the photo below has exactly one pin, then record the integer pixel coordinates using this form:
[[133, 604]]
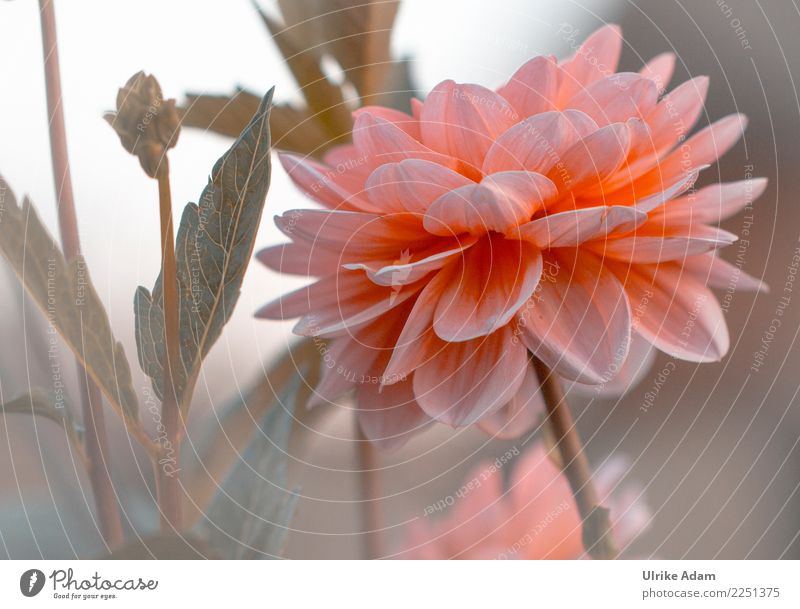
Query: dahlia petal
[[389, 415], [660, 70], [641, 148], [672, 244], [716, 139], [623, 187], [500, 202], [465, 381], [533, 88], [411, 267], [350, 168], [714, 203], [347, 362], [520, 414], [641, 356], [718, 273], [684, 183], [597, 57], [381, 141], [321, 184], [675, 312], [463, 120], [418, 343], [571, 228], [354, 236], [411, 185], [337, 303], [703, 148], [676, 114], [491, 282], [579, 321], [537, 143], [404, 121], [298, 259], [588, 162], [416, 108], [616, 98]]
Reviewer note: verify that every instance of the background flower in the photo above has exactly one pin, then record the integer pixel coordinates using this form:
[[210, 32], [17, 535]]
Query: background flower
[[535, 518]]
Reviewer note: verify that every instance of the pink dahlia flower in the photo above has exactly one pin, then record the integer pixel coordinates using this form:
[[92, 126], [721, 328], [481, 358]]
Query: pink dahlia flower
[[551, 217], [535, 518]]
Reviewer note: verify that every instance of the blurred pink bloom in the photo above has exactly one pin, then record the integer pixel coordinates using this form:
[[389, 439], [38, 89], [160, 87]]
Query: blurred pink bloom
[[552, 216], [536, 518]]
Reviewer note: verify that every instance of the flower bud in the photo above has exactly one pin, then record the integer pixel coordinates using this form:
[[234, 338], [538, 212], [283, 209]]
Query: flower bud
[[147, 124]]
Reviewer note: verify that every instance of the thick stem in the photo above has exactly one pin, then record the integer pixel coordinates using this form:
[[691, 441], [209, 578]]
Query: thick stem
[[368, 483], [596, 524], [92, 400], [169, 490]]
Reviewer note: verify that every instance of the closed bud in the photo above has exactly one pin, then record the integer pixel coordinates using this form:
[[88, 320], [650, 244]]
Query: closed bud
[[147, 124]]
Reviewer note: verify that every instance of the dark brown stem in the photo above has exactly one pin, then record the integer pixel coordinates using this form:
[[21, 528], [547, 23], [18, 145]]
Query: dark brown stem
[[169, 490], [99, 464], [596, 524], [368, 483]]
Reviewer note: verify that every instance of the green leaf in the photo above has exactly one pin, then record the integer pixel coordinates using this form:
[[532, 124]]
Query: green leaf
[[64, 292], [250, 515], [39, 403], [214, 246]]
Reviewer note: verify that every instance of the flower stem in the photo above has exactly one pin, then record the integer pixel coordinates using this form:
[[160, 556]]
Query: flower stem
[[168, 482], [596, 536], [370, 519], [97, 452]]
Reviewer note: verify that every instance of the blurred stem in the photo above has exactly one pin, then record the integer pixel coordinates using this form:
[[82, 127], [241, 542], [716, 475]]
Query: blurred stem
[[168, 483], [596, 536], [368, 483], [99, 464]]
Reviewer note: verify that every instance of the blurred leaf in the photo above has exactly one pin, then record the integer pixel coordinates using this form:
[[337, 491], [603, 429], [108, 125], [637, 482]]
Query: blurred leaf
[[214, 246], [65, 294], [292, 129], [325, 99], [39, 403], [163, 547], [220, 113], [218, 446], [249, 516], [356, 33]]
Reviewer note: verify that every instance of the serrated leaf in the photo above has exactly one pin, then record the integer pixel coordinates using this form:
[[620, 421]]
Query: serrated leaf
[[250, 515], [65, 294], [214, 245], [39, 403]]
